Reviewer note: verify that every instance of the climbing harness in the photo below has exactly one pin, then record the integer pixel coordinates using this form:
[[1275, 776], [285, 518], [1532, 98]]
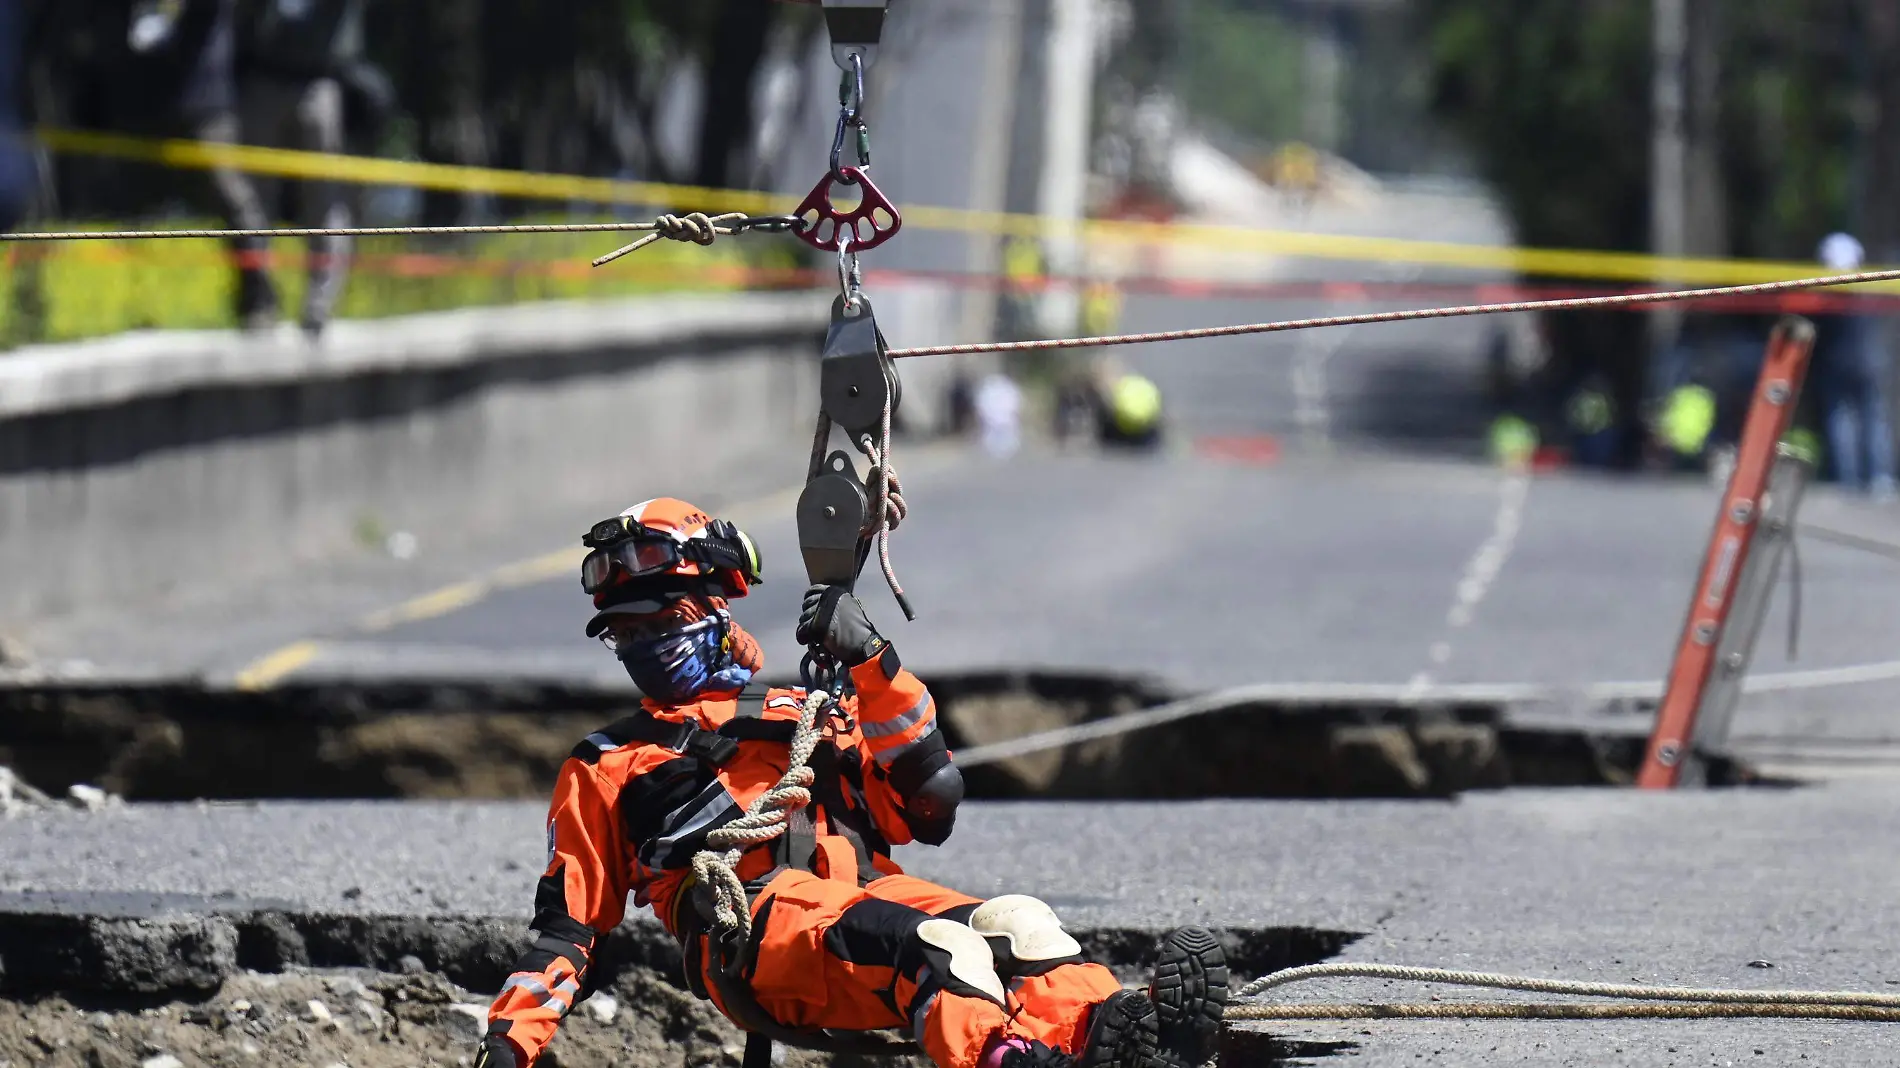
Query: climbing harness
[[1642, 1002]]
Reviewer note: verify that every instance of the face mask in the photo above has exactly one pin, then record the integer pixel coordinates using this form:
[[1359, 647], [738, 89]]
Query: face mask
[[676, 667]]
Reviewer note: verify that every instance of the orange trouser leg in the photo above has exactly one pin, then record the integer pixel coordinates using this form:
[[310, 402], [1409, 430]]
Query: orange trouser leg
[[1060, 1000], [1053, 1006], [833, 955]]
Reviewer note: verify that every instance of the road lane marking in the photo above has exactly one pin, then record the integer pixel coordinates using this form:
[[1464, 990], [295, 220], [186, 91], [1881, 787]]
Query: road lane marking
[[266, 671], [1481, 573], [273, 667]]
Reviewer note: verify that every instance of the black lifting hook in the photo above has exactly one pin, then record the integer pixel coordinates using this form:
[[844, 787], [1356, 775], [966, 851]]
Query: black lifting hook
[[855, 27], [857, 382]]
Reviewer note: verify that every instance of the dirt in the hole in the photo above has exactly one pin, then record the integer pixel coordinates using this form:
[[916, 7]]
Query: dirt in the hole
[[365, 1019]]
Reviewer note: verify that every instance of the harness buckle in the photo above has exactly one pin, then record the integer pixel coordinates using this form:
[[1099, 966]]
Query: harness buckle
[[713, 748]]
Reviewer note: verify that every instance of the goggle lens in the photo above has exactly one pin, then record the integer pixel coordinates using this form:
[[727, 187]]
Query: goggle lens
[[596, 569], [643, 557], [637, 558]]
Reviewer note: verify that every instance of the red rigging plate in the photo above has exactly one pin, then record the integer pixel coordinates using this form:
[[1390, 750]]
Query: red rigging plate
[[868, 225]]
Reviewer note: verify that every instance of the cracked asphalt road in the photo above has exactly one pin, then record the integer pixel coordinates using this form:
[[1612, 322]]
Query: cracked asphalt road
[[1609, 885]]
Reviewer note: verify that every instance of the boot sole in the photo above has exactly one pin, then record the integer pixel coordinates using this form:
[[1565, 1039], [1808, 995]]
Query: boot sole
[[1123, 1033], [1190, 995]]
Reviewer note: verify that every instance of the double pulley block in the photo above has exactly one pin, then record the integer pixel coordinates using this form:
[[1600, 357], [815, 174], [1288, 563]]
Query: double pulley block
[[857, 386]]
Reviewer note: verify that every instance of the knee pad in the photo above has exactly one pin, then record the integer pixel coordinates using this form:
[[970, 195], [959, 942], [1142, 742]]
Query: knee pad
[[961, 959], [1024, 935]]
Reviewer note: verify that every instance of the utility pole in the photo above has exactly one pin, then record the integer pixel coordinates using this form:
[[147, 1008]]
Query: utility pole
[[1669, 154], [989, 165], [1069, 77]]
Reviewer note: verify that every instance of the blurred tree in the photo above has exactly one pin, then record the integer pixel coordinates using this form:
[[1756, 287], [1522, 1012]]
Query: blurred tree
[[1553, 99], [572, 87], [726, 128], [1247, 71]]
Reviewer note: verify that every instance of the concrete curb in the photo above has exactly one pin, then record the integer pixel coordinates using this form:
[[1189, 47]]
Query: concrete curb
[[91, 374], [139, 466]]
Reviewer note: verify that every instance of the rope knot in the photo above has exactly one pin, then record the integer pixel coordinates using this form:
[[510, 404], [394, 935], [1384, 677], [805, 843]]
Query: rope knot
[[694, 226]]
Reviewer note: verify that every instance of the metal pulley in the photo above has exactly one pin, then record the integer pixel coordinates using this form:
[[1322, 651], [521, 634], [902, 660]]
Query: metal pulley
[[856, 380], [855, 27], [857, 385], [832, 514]]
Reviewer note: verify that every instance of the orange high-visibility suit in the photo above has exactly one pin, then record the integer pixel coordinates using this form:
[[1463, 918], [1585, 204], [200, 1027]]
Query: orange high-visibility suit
[[834, 929]]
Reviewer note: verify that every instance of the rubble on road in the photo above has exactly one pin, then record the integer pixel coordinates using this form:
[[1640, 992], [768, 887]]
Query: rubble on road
[[296, 1018]]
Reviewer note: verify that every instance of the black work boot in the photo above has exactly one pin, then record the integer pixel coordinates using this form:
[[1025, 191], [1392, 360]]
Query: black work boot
[[1123, 1033], [1189, 991]]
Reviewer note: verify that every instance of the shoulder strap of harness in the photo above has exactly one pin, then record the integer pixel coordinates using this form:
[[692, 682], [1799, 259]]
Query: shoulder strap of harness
[[748, 723], [647, 729]]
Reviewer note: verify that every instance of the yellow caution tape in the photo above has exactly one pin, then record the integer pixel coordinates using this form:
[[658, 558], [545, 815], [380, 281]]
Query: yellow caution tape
[[292, 163]]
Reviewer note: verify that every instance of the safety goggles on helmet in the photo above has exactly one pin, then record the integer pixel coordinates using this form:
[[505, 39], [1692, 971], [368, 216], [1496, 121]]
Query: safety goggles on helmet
[[625, 550]]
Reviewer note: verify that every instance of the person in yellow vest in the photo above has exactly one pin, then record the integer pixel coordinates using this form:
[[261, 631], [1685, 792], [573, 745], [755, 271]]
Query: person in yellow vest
[[1513, 441], [1590, 418], [1101, 308], [1023, 272], [1684, 425], [1130, 412]]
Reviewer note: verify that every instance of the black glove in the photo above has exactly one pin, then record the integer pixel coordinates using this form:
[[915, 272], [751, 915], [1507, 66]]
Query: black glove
[[834, 619], [496, 1052]]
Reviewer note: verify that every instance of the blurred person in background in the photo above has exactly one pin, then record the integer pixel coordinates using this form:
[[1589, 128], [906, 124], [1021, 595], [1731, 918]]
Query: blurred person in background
[[1023, 270], [1101, 308], [999, 410], [271, 74], [17, 181], [1128, 411], [301, 63], [198, 40], [1682, 426], [1590, 417], [960, 402], [1511, 438], [1851, 373]]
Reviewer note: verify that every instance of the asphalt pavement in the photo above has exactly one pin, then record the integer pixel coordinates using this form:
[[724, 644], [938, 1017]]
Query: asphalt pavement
[[1359, 545], [1585, 884]]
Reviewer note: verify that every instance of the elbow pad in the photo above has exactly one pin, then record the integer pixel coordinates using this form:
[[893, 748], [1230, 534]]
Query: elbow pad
[[931, 787]]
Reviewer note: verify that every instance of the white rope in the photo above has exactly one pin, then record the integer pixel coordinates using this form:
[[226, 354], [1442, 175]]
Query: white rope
[[715, 867], [1532, 984]]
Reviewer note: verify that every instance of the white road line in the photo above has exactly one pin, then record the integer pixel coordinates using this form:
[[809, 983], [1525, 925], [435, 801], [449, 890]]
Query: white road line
[[1481, 573]]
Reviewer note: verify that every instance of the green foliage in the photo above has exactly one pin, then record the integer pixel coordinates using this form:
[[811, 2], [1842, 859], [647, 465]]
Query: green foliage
[[1246, 70], [72, 290], [1552, 97]]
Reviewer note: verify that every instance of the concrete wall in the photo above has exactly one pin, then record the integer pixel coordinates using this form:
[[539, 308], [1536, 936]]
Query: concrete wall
[[136, 465]]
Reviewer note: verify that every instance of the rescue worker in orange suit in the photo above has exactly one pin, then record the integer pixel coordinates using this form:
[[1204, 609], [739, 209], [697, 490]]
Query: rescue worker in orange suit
[[841, 938]]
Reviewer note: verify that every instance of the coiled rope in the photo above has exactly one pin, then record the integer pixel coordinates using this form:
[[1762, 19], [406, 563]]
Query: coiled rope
[[716, 866], [1662, 1002]]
